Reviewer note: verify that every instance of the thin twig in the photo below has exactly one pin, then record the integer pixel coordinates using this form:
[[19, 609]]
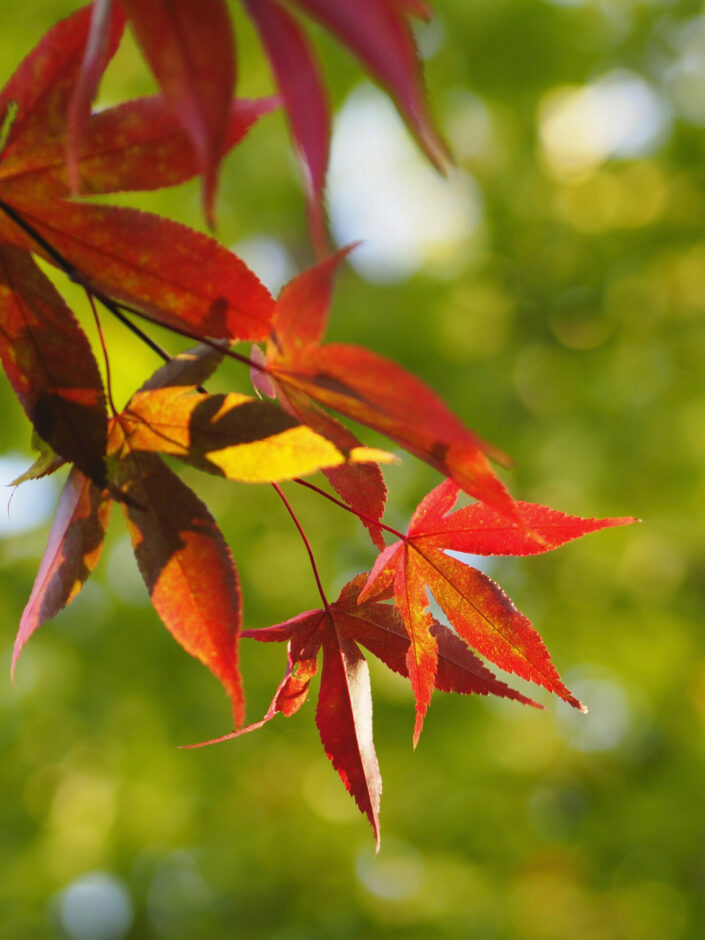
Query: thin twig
[[119, 308], [72, 272], [191, 334], [101, 337], [360, 515], [140, 334], [306, 542]]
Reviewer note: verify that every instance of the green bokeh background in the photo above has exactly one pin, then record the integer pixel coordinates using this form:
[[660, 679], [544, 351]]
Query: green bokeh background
[[573, 339]]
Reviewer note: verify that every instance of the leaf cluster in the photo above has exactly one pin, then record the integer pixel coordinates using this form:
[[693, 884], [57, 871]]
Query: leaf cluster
[[135, 265]]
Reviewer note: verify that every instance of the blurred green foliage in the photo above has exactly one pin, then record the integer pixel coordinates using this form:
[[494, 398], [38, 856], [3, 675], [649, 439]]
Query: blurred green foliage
[[570, 334]]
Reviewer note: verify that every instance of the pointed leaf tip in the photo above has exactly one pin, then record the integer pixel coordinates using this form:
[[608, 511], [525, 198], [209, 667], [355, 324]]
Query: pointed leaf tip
[[73, 550], [378, 34], [479, 529], [301, 312], [303, 91], [106, 27], [344, 721], [190, 48]]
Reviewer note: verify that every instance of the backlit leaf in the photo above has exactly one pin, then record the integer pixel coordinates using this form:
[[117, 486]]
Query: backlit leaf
[[422, 656], [301, 313], [176, 275], [479, 530], [380, 629], [303, 635], [138, 145], [377, 32], [190, 48], [304, 96], [459, 670], [481, 614], [302, 665], [106, 17], [72, 552], [360, 485], [377, 392], [49, 363], [370, 389], [239, 437], [187, 567], [40, 90], [344, 711], [188, 369], [344, 720], [487, 620]]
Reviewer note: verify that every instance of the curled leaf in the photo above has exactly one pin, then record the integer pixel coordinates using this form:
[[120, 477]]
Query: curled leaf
[[187, 369], [46, 463]]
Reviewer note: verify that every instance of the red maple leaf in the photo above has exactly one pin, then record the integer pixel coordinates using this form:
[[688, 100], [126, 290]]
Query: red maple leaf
[[181, 553], [372, 390], [171, 272], [344, 710], [136, 262], [177, 276], [189, 46], [477, 608]]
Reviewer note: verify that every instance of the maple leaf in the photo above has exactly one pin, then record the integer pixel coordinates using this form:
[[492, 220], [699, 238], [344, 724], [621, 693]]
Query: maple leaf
[[50, 365], [370, 389], [175, 275], [301, 86], [344, 710], [478, 609], [236, 436], [186, 565], [136, 262], [74, 547], [378, 33], [190, 49], [181, 554], [380, 628], [180, 551]]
